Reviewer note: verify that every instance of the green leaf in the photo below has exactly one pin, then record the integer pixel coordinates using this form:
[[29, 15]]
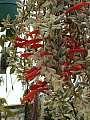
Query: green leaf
[[54, 2], [8, 18], [54, 10], [2, 29], [80, 17], [84, 84], [9, 112], [68, 115], [60, 7], [78, 22], [2, 43], [19, 71], [88, 99], [12, 70], [50, 5], [54, 45], [46, 4]]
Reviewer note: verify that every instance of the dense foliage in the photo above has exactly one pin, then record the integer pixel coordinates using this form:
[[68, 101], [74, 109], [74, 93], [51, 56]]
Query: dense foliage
[[57, 50]]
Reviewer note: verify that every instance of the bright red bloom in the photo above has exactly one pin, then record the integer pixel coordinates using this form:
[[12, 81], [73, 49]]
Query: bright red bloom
[[33, 87], [20, 44], [77, 7], [45, 53], [31, 70], [65, 64], [20, 39], [78, 50], [35, 46], [66, 74], [76, 44], [71, 54], [33, 32], [88, 95], [33, 74], [32, 42], [26, 54], [75, 68], [39, 84], [68, 22], [31, 94], [88, 41]]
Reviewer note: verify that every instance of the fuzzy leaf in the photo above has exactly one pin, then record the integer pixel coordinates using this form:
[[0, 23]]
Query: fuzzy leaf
[[84, 84], [12, 70], [60, 7]]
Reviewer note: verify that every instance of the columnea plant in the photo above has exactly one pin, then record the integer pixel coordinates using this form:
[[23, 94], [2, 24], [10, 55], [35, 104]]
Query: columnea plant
[[58, 48]]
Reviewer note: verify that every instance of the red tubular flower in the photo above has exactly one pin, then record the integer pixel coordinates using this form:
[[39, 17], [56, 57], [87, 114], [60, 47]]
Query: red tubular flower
[[77, 7], [33, 42], [33, 87], [33, 32], [31, 94], [39, 84], [88, 41], [20, 39], [76, 44], [31, 70], [33, 74], [88, 95], [20, 44], [78, 50], [45, 53], [66, 74], [75, 68], [69, 22], [35, 46], [71, 54], [26, 54], [65, 64], [42, 83], [31, 78]]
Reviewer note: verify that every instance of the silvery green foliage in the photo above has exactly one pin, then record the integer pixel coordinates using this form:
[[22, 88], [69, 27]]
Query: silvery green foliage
[[69, 99]]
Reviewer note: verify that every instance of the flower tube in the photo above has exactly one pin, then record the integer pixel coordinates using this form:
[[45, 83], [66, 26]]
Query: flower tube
[[26, 54], [77, 7], [31, 94]]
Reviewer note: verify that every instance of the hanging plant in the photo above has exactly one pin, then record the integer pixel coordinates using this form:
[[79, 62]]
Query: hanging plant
[[58, 48]]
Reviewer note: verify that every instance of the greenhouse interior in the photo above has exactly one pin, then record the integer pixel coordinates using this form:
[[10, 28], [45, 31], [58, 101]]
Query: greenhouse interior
[[44, 59]]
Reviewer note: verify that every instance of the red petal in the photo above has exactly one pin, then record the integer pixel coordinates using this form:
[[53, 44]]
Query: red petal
[[66, 74], [32, 74], [20, 39], [34, 46], [31, 70], [65, 64], [77, 7], [75, 68], [26, 54], [31, 94], [20, 44], [33, 87], [42, 83], [45, 53], [33, 32], [76, 43], [71, 55], [78, 50], [33, 41]]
